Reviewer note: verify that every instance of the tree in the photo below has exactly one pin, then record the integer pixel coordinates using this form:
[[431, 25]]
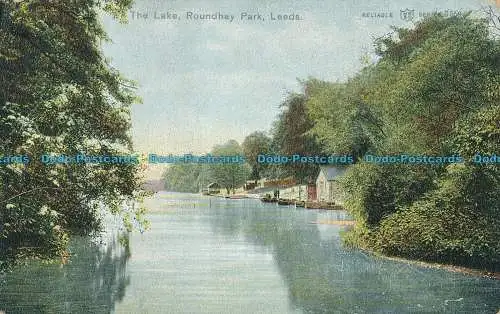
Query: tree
[[181, 177], [59, 95], [343, 122], [435, 92], [255, 144], [224, 165], [442, 69], [229, 175], [291, 136]]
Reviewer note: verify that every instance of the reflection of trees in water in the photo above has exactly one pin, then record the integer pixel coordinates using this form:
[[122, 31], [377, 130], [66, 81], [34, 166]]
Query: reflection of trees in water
[[304, 260], [92, 282], [322, 277]]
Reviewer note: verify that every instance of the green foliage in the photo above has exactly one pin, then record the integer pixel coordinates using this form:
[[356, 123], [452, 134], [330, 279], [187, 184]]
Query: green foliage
[[59, 95], [439, 71], [116, 8], [255, 144], [229, 175], [192, 177], [434, 91], [456, 223], [182, 177], [376, 191], [290, 135], [343, 122], [478, 133]]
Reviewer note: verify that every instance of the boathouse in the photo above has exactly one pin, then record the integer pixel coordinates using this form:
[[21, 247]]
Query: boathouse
[[213, 188], [327, 187]]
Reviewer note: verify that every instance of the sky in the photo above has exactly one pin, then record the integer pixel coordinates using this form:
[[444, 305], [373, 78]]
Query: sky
[[204, 82]]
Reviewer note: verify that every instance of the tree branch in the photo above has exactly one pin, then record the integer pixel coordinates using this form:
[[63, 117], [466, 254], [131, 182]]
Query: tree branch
[[29, 191]]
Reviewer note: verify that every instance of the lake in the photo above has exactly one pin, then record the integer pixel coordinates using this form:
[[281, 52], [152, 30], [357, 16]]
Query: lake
[[212, 255]]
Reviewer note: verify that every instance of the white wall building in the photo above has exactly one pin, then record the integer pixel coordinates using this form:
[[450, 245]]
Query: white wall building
[[327, 188], [297, 192]]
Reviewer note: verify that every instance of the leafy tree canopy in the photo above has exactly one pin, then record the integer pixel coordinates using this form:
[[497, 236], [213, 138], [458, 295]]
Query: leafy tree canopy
[[59, 95]]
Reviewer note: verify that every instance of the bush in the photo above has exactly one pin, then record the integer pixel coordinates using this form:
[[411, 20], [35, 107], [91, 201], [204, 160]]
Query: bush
[[31, 231], [377, 191], [457, 223]]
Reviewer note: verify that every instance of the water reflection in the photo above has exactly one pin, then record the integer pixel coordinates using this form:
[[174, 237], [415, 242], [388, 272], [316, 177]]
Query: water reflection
[[324, 277], [208, 255], [92, 281]]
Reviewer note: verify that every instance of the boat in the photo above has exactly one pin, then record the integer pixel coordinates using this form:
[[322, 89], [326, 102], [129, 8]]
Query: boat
[[300, 204], [323, 205], [236, 197], [282, 201], [269, 199]]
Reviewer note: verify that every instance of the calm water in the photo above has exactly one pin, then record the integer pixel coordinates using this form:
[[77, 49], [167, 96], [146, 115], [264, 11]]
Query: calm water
[[208, 255]]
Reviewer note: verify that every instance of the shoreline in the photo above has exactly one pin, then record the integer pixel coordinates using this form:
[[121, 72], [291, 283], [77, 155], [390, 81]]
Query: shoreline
[[434, 265], [447, 267]]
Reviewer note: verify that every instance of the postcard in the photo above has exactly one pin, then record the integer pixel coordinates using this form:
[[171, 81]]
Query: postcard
[[237, 156]]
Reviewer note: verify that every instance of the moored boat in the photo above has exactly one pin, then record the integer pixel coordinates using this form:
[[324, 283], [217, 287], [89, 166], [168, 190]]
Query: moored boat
[[323, 205], [269, 199], [236, 197], [284, 202]]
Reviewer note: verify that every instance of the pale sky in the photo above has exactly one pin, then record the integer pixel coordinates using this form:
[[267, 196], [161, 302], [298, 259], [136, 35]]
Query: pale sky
[[204, 82]]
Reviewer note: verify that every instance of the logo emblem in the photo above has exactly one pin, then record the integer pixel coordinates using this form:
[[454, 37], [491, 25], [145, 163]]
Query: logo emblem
[[407, 15]]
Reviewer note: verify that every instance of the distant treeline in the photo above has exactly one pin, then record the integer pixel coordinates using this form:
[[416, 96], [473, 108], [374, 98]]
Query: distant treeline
[[192, 177]]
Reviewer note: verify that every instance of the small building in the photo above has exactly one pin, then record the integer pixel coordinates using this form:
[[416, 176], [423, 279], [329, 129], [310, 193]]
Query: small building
[[311, 192], [296, 193], [250, 185], [327, 188], [212, 188]]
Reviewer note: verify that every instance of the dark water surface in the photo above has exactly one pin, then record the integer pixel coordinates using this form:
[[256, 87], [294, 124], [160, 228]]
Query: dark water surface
[[209, 255]]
